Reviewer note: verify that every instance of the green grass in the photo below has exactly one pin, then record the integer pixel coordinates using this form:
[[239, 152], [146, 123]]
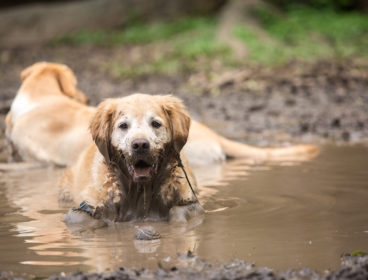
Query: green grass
[[359, 252], [307, 34], [138, 33], [300, 33], [183, 57], [189, 42]]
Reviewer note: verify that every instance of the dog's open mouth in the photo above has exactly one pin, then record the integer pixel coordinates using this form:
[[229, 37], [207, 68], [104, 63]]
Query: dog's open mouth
[[141, 170]]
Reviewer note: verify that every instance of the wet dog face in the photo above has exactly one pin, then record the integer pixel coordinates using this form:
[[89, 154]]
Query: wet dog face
[[143, 130], [141, 136]]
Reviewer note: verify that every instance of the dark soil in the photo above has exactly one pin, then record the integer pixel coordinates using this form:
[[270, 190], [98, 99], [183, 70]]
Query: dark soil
[[191, 267]]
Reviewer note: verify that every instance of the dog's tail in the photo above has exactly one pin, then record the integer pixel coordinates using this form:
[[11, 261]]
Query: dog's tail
[[235, 149], [20, 166]]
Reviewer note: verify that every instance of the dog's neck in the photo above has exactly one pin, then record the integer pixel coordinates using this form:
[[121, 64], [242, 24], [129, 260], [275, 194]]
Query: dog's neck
[[142, 200]]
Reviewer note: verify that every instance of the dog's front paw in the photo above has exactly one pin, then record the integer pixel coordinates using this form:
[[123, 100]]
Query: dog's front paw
[[183, 214], [81, 218]]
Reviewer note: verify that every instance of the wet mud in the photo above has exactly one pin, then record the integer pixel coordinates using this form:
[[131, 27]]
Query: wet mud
[[192, 267]]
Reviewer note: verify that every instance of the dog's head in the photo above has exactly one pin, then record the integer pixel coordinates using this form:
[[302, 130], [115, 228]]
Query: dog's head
[[145, 131], [63, 75]]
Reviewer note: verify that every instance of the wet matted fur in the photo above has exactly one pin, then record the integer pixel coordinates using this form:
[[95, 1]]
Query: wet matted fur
[[132, 172]]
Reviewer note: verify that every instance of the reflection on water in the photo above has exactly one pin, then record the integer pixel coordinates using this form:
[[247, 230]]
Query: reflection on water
[[277, 215]]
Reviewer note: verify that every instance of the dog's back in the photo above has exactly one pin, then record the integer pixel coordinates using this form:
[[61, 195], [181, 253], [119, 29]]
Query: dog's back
[[48, 118]]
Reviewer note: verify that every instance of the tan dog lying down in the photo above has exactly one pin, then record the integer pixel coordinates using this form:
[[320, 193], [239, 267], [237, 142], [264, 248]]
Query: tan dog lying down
[[132, 170], [48, 118], [48, 122]]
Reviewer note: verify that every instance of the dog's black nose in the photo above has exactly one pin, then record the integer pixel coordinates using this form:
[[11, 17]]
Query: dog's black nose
[[140, 145]]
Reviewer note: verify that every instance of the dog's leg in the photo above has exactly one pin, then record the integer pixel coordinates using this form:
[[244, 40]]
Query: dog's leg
[[78, 218], [13, 155], [183, 214]]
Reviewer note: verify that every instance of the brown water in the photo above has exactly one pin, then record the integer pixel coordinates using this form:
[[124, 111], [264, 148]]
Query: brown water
[[286, 215]]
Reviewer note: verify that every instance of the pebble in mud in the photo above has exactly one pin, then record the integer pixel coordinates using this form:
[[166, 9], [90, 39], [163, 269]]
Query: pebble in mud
[[146, 233]]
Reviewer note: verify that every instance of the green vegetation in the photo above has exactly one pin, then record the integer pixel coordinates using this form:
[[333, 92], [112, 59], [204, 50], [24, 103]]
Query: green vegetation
[[358, 253], [297, 33], [307, 34], [139, 33], [184, 43], [183, 57]]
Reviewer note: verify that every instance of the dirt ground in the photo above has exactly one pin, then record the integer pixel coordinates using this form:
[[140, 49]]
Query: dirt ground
[[192, 267]]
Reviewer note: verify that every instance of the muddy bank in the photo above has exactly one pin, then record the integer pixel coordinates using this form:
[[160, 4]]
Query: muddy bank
[[192, 267], [310, 103], [298, 102]]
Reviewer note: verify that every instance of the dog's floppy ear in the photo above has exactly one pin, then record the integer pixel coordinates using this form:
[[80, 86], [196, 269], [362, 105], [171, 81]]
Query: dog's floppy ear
[[68, 83], [101, 127], [179, 120], [64, 76], [31, 69]]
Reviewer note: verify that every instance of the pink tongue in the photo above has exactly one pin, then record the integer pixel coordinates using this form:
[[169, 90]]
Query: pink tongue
[[142, 171]]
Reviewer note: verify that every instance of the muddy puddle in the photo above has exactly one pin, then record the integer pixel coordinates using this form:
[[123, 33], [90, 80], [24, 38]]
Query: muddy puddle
[[284, 215]]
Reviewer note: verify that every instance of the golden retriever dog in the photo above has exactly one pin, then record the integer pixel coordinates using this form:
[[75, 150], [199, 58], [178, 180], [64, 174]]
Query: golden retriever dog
[[133, 170], [48, 118], [48, 122]]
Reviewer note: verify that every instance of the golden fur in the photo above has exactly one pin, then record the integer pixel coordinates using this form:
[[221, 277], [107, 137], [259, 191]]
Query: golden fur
[[47, 119], [108, 176]]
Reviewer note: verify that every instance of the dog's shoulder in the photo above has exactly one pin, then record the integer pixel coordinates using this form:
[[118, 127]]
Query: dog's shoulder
[[89, 179]]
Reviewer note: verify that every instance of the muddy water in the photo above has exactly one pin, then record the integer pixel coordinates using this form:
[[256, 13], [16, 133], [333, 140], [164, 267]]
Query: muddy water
[[279, 215]]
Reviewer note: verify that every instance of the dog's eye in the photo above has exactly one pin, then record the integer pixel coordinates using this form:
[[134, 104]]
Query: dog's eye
[[123, 126], [155, 124]]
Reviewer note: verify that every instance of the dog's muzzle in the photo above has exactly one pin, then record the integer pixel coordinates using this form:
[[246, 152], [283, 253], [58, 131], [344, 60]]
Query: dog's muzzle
[[142, 165]]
